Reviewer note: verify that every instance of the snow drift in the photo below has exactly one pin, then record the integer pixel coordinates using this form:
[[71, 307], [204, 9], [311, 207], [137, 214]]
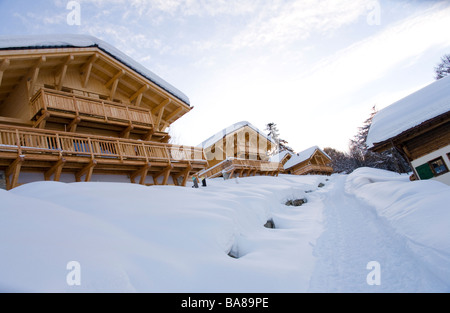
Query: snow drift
[[132, 238], [417, 210]]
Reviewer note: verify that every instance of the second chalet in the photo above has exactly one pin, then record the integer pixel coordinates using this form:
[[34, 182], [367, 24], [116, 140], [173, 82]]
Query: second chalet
[[240, 150], [74, 108]]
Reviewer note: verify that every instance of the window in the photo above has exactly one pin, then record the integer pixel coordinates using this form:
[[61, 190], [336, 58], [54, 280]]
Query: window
[[438, 166]]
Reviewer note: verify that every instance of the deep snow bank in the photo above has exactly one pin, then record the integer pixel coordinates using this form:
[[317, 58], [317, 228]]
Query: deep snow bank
[[160, 239], [419, 211]]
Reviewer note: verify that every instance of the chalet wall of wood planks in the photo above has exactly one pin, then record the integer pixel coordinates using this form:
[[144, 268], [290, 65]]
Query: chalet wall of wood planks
[[75, 108]]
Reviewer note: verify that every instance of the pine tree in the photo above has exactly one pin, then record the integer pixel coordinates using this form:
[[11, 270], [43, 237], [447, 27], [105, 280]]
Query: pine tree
[[443, 68], [274, 133], [389, 160], [340, 161]]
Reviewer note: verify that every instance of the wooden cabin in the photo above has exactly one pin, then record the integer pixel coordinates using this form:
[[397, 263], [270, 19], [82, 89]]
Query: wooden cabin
[[312, 161], [74, 108], [418, 126], [240, 150]]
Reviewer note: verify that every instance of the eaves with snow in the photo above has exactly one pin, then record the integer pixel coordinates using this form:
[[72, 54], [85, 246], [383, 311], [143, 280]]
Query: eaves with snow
[[303, 156], [231, 129], [418, 108], [84, 41]]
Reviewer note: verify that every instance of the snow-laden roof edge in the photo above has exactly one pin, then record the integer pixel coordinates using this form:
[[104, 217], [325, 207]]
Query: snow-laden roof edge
[[230, 129], [85, 41], [280, 156], [303, 156], [413, 110]]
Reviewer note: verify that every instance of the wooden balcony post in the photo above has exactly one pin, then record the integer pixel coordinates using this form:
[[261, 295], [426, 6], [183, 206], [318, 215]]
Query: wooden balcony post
[[119, 150], [43, 95], [75, 106], [145, 152], [104, 111], [91, 148], [19, 148]]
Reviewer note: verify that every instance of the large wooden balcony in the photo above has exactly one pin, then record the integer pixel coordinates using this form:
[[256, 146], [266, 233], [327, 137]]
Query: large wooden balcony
[[54, 153], [242, 168], [75, 110]]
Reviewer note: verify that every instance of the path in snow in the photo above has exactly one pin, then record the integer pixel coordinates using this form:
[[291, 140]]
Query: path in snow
[[353, 236]]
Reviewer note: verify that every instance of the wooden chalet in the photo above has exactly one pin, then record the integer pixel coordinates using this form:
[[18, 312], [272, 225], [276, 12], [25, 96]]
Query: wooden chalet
[[418, 126], [240, 150], [73, 108], [312, 161]]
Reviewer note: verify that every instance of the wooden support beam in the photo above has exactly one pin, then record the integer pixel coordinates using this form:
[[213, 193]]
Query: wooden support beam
[[164, 126], [174, 114], [14, 171], [148, 136], [166, 139], [113, 83], [40, 123], [33, 75], [126, 132], [161, 105], [115, 78], [139, 92], [72, 127], [165, 172], [186, 175], [86, 70], [63, 71], [56, 169], [3, 66], [142, 173], [139, 100], [87, 170], [159, 118]]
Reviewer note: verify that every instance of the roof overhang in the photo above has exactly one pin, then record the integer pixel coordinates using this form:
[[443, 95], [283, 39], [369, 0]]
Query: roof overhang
[[411, 133], [92, 63]]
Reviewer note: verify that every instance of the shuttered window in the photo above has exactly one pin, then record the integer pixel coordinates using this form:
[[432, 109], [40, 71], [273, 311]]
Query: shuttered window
[[424, 171]]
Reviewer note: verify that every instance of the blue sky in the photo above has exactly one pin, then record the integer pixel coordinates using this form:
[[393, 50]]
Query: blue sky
[[314, 67]]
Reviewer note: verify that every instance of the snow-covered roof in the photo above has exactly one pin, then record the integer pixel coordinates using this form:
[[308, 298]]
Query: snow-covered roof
[[226, 131], [280, 156], [420, 106], [303, 156], [84, 41]]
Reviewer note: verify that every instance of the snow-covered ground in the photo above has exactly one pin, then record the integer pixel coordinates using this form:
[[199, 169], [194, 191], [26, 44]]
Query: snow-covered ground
[[171, 239]]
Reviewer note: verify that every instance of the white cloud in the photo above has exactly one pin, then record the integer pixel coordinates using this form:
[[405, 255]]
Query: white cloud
[[363, 62], [284, 22]]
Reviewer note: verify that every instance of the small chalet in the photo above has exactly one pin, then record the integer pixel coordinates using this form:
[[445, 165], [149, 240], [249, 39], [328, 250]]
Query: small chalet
[[312, 161], [74, 108], [418, 126], [239, 150]]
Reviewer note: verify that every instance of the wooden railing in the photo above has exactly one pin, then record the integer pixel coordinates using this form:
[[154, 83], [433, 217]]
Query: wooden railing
[[58, 101], [238, 164], [311, 168], [37, 141]]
